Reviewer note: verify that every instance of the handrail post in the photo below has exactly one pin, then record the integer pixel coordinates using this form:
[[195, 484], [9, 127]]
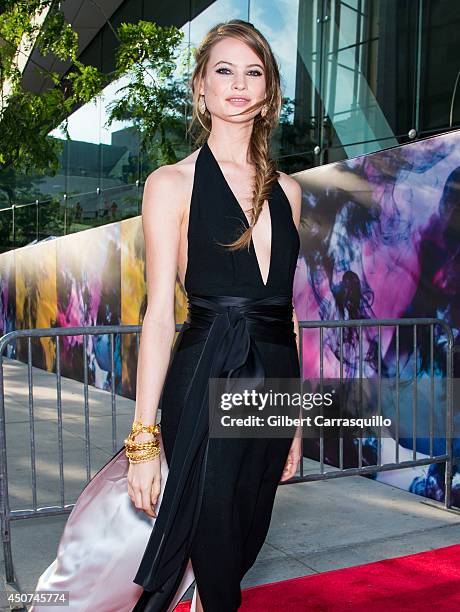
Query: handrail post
[[4, 497]]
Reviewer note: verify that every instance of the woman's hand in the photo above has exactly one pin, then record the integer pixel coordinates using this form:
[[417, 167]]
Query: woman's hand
[[144, 484], [293, 459]]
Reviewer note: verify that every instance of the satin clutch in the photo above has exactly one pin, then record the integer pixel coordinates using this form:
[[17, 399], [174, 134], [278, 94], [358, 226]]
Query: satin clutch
[[103, 542]]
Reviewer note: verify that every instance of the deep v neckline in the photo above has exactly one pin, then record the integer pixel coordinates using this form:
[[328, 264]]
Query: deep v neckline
[[245, 219]]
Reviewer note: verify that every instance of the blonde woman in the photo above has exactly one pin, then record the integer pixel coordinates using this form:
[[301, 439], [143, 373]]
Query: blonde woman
[[226, 222]]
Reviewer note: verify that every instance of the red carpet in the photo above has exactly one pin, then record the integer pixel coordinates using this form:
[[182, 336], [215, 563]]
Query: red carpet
[[427, 581]]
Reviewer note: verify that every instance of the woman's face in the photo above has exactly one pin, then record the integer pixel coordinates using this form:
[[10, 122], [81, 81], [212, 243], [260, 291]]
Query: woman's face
[[233, 71]]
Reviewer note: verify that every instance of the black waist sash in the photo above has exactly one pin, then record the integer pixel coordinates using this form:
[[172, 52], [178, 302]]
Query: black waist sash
[[229, 324]]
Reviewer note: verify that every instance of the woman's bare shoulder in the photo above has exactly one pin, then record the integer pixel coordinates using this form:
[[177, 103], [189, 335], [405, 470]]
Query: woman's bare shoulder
[[175, 175], [174, 181], [293, 192], [290, 186]]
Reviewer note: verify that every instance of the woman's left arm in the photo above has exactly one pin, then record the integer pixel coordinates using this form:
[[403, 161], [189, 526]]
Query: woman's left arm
[[293, 192], [298, 431]]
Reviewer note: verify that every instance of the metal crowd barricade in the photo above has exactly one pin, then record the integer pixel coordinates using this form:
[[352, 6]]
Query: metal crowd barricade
[[446, 457], [7, 515]]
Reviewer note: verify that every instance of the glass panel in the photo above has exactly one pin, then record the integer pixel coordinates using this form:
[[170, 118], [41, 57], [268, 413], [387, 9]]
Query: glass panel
[[440, 75], [82, 212], [367, 83], [119, 143], [27, 188], [83, 151], [120, 203], [51, 218], [25, 224], [81, 154], [298, 161], [6, 229]]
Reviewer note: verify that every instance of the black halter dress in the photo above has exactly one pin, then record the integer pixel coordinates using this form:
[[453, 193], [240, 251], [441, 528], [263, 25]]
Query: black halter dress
[[219, 494]]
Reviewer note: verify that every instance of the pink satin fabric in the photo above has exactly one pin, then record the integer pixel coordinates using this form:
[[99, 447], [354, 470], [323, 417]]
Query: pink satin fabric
[[102, 545]]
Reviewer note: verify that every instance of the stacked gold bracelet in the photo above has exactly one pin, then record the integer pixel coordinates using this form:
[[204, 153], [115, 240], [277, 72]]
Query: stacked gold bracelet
[[142, 451]]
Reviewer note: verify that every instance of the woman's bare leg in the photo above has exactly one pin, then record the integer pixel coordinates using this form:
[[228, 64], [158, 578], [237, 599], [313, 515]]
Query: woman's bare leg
[[199, 605], [196, 605]]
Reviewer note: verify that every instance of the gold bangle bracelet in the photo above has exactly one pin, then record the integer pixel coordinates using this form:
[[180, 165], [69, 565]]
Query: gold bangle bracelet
[[141, 445], [139, 457], [138, 452], [137, 427]]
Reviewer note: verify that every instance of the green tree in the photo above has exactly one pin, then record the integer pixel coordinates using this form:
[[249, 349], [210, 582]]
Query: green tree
[[146, 54]]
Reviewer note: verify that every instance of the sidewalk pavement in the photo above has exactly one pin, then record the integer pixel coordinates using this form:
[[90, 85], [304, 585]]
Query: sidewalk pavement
[[315, 527]]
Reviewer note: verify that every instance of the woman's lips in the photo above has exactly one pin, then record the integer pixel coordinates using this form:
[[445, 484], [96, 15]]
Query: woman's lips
[[237, 102]]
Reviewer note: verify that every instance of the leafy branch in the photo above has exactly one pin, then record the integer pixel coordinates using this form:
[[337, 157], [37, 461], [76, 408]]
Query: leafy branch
[[145, 59]]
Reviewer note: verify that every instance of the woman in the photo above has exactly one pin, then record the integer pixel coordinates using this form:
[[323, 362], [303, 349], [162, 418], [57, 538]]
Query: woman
[[210, 516]]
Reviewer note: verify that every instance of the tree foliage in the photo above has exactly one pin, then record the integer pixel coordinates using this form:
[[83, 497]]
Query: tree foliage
[[146, 55]]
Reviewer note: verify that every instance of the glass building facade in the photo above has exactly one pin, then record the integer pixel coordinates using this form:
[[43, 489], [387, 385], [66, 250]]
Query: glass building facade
[[358, 76]]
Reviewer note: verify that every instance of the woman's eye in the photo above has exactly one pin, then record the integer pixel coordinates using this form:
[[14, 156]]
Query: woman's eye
[[255, 72]]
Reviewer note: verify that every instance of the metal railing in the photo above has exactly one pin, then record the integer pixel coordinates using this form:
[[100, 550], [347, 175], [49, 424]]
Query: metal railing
[[67, 213], [415, 323], [7, 515]]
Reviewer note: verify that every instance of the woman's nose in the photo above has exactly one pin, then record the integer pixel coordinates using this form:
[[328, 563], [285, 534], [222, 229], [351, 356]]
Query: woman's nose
[[239, 82]]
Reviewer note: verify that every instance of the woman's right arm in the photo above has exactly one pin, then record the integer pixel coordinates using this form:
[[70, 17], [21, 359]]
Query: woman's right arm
[[162, 211]]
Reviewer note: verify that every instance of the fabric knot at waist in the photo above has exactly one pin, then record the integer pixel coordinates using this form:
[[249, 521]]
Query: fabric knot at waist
[[229, 325], [267, 318]]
